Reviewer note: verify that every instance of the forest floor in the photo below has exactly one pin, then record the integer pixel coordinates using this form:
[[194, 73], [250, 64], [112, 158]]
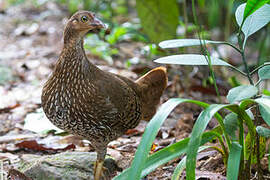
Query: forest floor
[[31, 40]]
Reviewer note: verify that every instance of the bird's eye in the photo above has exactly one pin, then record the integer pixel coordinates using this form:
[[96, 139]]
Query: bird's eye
[[84, 19]]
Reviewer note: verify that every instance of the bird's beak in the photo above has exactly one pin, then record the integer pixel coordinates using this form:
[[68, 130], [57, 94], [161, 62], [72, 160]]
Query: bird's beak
[[98, 24]]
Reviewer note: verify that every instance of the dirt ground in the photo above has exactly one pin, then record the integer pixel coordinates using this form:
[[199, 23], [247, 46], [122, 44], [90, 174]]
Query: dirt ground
[[31, 40]]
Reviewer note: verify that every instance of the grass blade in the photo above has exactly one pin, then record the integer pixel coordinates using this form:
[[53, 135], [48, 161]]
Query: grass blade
[[196, 135], [149, 136], [234, 161]]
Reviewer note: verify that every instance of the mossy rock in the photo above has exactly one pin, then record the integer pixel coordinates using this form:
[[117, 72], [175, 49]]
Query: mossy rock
[[67, 165]]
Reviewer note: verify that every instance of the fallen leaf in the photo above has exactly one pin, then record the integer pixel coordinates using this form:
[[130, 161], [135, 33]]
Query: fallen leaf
[[9, 108], [33, 145], [153, 147], [132, 132]]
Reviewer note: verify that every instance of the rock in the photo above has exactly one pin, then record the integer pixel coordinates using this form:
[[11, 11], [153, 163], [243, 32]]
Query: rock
[[67, 165]]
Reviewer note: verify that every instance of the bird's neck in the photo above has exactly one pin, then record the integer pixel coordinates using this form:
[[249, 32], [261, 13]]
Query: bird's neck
[[73, 58], [73, 45]]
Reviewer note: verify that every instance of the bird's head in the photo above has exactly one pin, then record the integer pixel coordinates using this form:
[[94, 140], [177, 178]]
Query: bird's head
[[81, 23]]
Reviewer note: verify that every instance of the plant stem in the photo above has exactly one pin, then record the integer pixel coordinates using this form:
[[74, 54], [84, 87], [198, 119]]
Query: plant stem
[[205, 51], [246, 67], [233, 46], [241, 142], [185, 17], [238, 70], [242, 48], [258, 82], [255, 70], [228, 19]]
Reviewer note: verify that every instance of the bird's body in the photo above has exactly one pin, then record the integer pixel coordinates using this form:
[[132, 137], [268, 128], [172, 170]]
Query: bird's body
[[96, 105]]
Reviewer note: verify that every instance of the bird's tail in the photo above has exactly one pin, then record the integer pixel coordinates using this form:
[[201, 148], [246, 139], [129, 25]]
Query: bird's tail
[[151, 87]]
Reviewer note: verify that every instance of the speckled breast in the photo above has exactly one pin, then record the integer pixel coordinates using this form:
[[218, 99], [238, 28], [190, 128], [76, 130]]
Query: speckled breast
[[72, 109]]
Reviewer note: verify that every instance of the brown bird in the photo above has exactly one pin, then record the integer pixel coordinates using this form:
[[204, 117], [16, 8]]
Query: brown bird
[[96, 105]]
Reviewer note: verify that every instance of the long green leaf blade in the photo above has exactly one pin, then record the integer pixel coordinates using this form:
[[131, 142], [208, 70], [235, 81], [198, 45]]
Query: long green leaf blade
[[176, 43], [149, 136], [191, 59], [195, 137], [234, 161]]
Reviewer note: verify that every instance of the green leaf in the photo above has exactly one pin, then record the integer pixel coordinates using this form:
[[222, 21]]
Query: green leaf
[[231, 125], [234, 161], [191, 59], [264, 105], [241, 92], [252, 6], [264, 72], [159, 18], [176, 43], [266, 92], [262, 131], [255, 21], [149, 136], [116, 34]]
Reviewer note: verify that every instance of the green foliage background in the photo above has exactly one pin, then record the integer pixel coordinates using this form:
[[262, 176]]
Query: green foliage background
[[159, 18]]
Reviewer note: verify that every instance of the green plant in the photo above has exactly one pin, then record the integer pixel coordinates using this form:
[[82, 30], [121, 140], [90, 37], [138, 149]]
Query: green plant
[[107, 49], [239, 151]]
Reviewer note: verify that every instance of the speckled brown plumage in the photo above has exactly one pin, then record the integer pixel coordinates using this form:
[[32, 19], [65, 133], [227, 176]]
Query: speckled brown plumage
[[86, 101]]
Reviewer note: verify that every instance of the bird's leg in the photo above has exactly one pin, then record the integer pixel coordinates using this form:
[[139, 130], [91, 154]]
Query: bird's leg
[[98, 168]]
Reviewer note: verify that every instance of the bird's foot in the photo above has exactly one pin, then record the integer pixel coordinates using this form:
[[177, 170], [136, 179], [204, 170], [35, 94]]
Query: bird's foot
[[104, 170], [98, 169]]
